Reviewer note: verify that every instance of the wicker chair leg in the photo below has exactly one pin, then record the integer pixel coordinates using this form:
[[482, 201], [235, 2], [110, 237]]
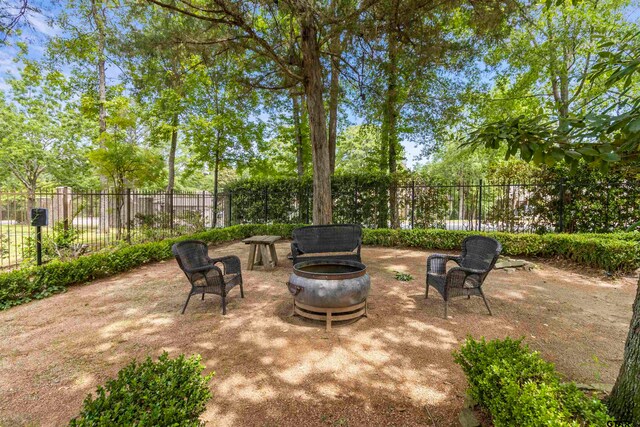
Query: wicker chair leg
[[186, 302], [241, 290], [446, 303], [426, 293], [202, 296], [224, 305], [485, 302]]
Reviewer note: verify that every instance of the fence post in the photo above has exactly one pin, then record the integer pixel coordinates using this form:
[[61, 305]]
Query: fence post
[[606, 208], [171, 210], [65, 207], [308, 202], [61, 206], [480, 206], [355, 203], [561, 206], [128, 215], [266, 205], [413, 203], [230, 220], [204, 210]]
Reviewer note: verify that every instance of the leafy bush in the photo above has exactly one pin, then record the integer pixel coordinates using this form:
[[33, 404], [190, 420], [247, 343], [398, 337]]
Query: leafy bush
[[4, 246], [518, 387], [167, 392], [616, 252], [61, 243]]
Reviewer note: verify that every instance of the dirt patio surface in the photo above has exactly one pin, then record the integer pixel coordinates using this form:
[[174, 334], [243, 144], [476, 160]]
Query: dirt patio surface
[[393, 368]]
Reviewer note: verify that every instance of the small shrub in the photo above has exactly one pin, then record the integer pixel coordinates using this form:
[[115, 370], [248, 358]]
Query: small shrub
[[403, 277], [518, 387], [167, 392]]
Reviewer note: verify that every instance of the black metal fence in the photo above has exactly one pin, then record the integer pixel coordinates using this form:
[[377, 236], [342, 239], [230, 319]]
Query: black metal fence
[[84, 222], [563, 206]]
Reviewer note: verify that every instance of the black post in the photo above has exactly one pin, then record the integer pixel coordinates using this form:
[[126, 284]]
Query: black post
[[413, 202], [39, 218], [39, 245], [561, 206], [355, 202], [128, 217], [606, 208], [308, 203], [171, 210], [204, 212], [480, 207], [230, 206]]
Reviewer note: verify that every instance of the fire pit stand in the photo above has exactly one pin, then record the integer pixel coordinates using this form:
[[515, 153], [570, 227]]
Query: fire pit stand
[[329, 290], [329, 315]]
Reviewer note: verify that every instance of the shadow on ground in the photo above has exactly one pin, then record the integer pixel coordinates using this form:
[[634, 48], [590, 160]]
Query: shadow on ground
[[393, 368]]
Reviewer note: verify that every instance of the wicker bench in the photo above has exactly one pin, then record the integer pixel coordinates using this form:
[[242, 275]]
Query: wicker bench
[[335, 241]]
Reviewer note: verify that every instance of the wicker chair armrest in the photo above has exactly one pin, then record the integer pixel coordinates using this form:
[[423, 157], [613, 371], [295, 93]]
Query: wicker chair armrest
[[437, 263], [231, 264], [457, 277], [295, 250], [201, 269], [469, 271]]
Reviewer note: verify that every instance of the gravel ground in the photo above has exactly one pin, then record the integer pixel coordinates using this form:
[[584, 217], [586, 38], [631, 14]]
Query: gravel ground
[[393, 368]]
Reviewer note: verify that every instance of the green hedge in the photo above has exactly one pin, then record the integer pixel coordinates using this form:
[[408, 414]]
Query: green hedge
[[169, 392], [519, 388], [610, 253], [20, 286], [599, 251]]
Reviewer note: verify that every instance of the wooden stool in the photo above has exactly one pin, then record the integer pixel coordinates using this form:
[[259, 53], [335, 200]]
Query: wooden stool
[[262, 251]]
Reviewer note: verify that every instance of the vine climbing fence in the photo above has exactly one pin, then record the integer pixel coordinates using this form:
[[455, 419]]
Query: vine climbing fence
[[85, 222]]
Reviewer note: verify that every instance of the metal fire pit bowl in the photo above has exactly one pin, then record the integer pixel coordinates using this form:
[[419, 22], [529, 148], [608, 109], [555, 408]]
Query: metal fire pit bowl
[[329, 290]]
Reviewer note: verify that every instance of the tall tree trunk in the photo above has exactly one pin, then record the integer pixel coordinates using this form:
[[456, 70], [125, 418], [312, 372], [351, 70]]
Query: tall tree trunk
[[624, 401], [171, 162], [312, 70], [172, 169], [334, 100], [97, 13], [334, 89], [390, 124], [298, 131]]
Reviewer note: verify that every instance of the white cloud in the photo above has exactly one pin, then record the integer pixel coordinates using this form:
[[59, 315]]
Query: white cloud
[[40, 25]]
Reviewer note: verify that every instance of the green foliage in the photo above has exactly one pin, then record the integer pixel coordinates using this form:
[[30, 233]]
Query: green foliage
[[119, 155], [59, 244], [4, 246], [403, 277], [615, 252], [169, 392], [518, 387], [361, 198], [20, 286]]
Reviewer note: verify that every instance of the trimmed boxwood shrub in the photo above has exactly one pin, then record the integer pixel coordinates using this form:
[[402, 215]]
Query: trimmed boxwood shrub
[[518, 388], [169, 392], [599, 251]]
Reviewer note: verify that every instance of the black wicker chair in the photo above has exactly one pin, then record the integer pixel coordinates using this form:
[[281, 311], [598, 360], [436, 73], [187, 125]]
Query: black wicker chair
[[204, 275], [479, 255], [326, 242]]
